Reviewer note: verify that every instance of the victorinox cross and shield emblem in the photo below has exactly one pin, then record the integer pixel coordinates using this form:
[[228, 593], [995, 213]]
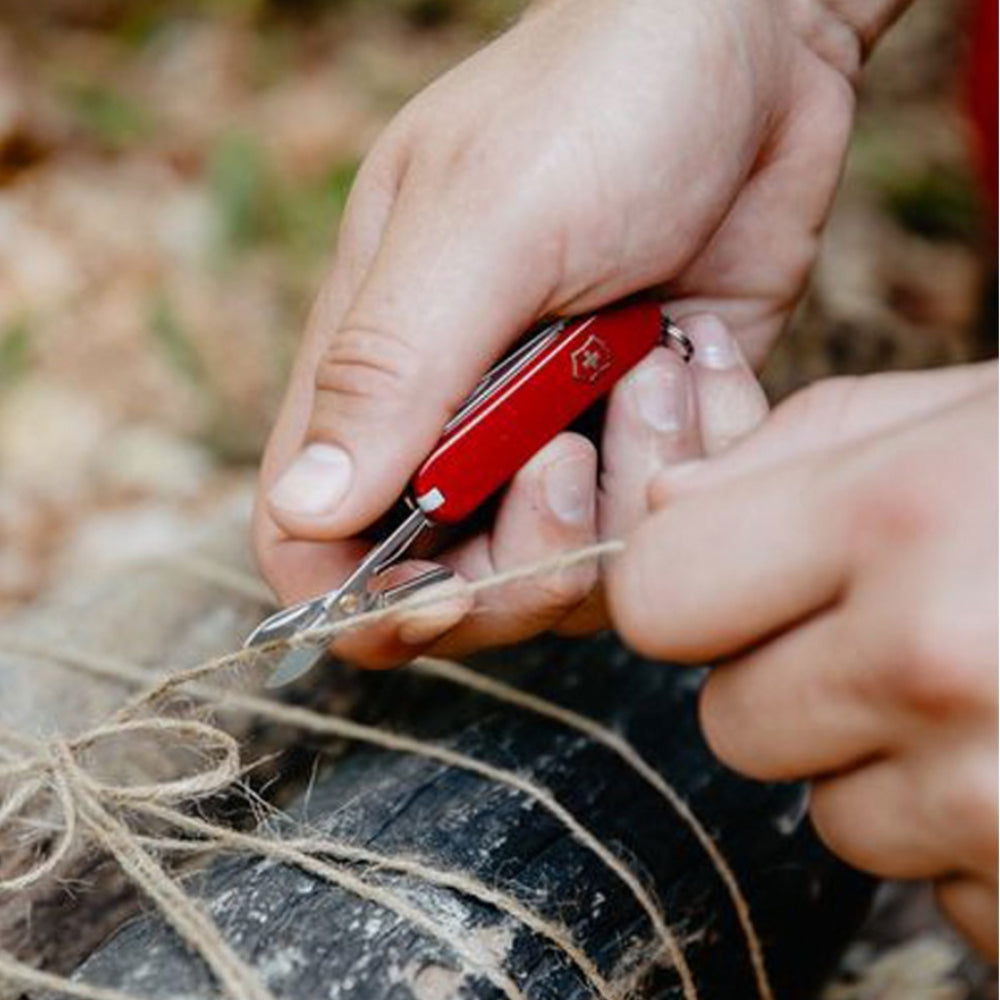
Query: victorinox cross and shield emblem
[[591, 359]]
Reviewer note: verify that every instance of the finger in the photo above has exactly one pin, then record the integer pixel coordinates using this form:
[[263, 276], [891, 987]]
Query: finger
[[651, 422], [439, 302], [794, 707], [731, 400], [366, 215], [971, 904], [883, 819], [717, 571], [549, 509], [297, 568], [827, 415], [665, 413]]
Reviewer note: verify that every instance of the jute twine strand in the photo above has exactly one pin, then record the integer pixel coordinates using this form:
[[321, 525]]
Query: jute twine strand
[[318, 846], [14, 971], [86, 801], [235, 977], [455, 673], [57, 767], [218, 838], [323, 635], [302, 718]]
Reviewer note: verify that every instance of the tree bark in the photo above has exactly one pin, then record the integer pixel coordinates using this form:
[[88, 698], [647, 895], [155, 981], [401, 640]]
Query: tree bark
[[309, 939]]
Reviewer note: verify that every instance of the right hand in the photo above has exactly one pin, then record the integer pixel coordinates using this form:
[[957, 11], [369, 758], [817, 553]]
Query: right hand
[[839, 568], [596, 149]]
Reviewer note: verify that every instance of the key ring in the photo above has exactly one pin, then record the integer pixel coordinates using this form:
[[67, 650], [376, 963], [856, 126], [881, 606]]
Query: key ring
[[675, 338]]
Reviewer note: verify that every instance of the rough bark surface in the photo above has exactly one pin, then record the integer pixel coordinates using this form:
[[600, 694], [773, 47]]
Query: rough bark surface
[[308, 939]]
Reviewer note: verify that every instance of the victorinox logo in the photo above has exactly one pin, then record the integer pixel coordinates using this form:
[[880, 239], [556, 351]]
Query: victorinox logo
[[591, 359]]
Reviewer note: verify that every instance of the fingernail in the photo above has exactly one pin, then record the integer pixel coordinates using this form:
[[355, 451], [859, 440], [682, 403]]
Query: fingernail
[[714, 346], [315, 483], [570, 489], [661, 397]]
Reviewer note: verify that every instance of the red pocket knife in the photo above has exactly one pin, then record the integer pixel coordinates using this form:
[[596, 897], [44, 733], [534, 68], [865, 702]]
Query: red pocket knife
[[519, 406]]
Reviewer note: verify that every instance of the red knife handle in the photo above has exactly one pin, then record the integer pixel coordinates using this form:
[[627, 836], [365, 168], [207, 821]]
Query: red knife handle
[[483, 450]]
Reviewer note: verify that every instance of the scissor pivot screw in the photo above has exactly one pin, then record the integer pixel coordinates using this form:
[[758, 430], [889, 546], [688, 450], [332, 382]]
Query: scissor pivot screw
[[349, 604]]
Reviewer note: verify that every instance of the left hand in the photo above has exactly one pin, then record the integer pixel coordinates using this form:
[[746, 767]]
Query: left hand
[[660, 413], [840, 567], [596, 149]]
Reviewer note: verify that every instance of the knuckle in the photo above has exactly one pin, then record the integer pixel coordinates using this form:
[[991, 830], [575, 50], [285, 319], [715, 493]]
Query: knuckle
[[831, 38], [721, 723], [931, 673], [838, 827], [900, 502], [367, 369], [971, 807]]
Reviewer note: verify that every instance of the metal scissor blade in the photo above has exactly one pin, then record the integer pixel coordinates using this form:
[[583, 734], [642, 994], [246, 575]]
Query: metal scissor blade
[[288, 622], [301, 660], [294, 664], [352, 597], [311, 612], [320, 611], [400, 592]]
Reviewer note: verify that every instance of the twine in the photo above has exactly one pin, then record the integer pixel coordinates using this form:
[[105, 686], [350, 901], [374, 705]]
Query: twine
[[100, 811], [87, 803], [302, 718], [455, 673]]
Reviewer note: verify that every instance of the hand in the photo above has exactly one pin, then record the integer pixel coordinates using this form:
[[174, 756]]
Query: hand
[[840, 567], [597, 148]]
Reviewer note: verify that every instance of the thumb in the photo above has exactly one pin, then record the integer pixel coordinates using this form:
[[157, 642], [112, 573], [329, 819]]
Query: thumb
[[438, 303]]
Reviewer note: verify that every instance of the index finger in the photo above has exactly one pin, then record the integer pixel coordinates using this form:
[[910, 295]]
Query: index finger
[[720, 570]]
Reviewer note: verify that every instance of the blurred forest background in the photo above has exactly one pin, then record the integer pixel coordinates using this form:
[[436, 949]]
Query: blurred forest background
[[171, 176]]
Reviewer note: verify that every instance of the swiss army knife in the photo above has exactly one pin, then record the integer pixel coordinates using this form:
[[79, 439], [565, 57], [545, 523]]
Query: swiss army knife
[[521, 403]]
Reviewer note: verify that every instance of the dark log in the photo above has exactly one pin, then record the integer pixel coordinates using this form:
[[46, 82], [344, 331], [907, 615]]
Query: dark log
[[309, 939]]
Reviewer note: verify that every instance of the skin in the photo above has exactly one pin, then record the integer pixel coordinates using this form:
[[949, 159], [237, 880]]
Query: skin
[[542, 176], [852, 615], [607, 146]]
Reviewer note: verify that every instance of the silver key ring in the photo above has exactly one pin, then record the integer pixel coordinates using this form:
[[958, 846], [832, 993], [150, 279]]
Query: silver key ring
[[674, 337]]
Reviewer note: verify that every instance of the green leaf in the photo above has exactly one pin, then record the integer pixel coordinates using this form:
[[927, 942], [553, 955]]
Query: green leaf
[[176, 343], [938, 203], [15, 350], [242, 191], [114, 120]]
